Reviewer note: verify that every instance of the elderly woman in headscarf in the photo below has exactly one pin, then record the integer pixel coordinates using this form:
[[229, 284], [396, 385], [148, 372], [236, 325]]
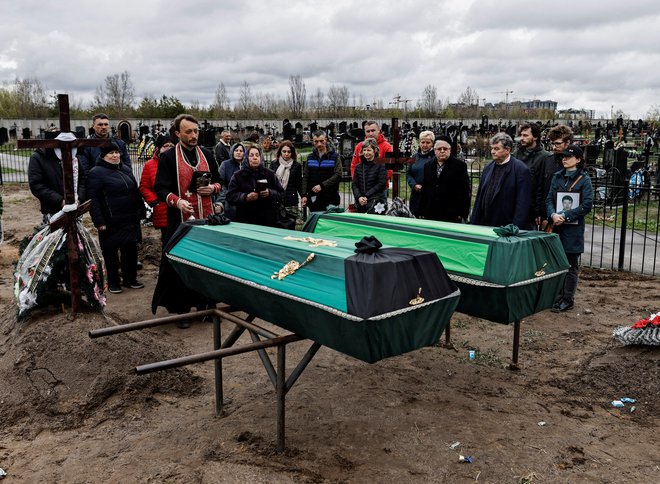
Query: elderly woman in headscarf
[[255, 191], [289, 173], [227, 170], [415, 173]]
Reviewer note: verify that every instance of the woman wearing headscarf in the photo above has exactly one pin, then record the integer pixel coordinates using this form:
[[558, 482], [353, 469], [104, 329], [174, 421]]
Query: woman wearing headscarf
[[115, 212], [289, 173], [227, 170], [415, 173], [147, 181], [255, 191]]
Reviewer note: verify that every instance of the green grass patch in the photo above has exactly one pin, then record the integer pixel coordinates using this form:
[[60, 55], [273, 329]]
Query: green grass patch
[[7, 170]]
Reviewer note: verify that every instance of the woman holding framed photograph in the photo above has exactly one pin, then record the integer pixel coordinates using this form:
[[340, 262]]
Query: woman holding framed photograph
[[569, 200]]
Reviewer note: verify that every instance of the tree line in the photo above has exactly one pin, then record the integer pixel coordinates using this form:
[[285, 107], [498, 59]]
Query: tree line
[[30, 98]]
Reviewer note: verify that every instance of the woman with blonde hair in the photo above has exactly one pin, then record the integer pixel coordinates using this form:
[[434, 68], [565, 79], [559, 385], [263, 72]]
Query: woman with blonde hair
[[415, 173], [370, 180]]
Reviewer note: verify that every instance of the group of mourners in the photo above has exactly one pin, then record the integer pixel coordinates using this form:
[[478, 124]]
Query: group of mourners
[[184, 181], [526, 186]]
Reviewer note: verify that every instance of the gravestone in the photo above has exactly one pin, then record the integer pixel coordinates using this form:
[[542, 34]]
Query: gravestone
[[591, 153], [288, 132], [4, 135], [125, 131], [343, 127], [26, 133], [357, 133], [621, 161], [298, 138], [79, 132], [313, 126]]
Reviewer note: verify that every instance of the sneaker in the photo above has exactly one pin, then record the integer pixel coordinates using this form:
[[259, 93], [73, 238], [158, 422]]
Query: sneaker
[[135, 285], [115, 289], [562, 306]]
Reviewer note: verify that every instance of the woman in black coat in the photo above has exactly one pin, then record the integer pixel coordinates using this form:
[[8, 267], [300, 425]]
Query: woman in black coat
[[370, 181], [446, 193], [115, 211], [255, 191]]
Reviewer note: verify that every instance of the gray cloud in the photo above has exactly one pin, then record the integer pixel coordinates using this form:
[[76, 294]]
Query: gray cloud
[[589, 54]]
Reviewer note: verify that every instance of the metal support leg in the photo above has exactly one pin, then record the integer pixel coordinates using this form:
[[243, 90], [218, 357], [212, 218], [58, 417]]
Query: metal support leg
[[217, 343], [281, 395], [448, 334], [516, 345]]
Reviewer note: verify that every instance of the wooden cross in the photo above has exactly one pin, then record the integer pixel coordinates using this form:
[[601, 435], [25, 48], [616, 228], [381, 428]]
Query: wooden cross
[[395, 159], [69, 218]]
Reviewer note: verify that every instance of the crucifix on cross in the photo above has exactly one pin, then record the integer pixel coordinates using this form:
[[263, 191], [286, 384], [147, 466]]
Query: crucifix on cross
[[66, 142]]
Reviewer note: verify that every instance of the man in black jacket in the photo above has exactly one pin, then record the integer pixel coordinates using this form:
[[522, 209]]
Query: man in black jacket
[[321, 175], [560, 137], [529, 149], [446, 189], [46, 179], [101, 127]]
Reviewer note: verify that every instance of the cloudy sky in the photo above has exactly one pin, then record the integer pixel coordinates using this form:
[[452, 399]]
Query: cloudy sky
[[599, 55]]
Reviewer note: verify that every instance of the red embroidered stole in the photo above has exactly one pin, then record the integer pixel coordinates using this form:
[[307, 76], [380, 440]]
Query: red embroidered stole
[[202, 205]]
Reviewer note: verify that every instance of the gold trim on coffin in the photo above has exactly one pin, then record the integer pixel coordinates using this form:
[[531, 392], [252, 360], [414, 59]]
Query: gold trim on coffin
[[313, 242], [291, 267], [418, 299]]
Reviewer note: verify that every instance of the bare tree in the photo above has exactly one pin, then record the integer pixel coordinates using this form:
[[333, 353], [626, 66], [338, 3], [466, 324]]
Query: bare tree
[[317, 102], [266, 104], [429, 102], [116, 95], [653, 114], [245, 100], [469, 97], [297, 96], [221, 101], [338, 97], [31, 98]]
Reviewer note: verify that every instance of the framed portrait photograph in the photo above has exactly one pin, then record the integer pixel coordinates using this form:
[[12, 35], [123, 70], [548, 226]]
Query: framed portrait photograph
[[567, 201]]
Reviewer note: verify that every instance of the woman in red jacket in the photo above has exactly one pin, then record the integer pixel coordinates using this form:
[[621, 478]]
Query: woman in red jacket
[[147, 180]]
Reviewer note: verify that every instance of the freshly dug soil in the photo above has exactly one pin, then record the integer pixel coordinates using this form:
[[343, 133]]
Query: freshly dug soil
[[72, 408]]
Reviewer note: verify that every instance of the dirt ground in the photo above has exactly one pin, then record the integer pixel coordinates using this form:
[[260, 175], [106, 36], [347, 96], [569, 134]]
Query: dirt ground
[[73, 410]]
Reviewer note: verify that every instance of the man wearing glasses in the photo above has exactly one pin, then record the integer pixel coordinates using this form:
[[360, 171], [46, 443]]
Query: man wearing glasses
[[445, 194], [560, 138]]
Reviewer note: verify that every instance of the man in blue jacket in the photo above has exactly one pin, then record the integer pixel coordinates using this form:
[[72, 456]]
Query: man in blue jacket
[[321, 175], [505, 190]]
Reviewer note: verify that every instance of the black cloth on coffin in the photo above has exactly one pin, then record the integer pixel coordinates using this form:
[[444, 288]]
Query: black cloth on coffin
[[170, 292], [388, 279]]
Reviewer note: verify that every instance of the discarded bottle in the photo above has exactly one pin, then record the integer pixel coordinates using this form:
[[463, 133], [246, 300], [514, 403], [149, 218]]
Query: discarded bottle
[[472, 354], [628, 400], [617, 403]]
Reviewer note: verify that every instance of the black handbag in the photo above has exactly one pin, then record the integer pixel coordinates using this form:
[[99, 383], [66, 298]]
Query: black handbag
[[284, 219]]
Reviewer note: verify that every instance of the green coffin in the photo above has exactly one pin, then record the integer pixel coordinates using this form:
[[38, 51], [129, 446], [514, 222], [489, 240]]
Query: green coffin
[[502, 279], [234, 264]]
